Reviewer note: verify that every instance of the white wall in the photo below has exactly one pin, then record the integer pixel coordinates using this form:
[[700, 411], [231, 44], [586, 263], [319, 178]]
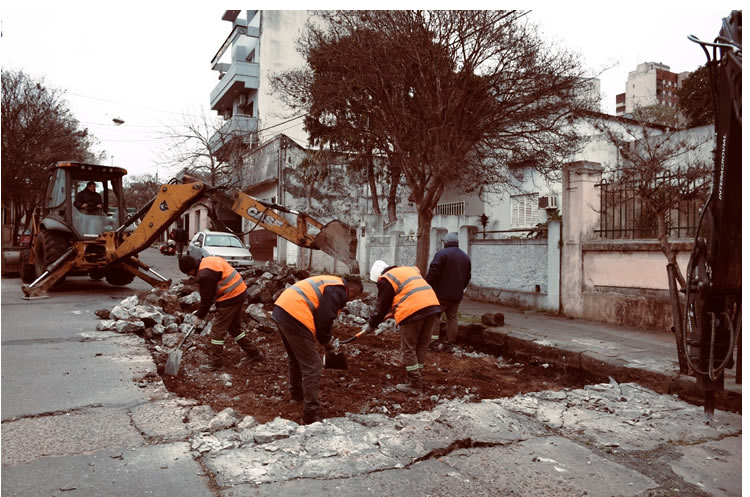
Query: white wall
[[279, 30]]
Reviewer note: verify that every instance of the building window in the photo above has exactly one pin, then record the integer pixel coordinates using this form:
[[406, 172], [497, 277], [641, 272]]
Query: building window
[[524, 210]]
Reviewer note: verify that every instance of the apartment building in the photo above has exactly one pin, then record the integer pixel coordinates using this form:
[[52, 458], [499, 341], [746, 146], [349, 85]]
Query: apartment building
[[258, 45], [651, 83]]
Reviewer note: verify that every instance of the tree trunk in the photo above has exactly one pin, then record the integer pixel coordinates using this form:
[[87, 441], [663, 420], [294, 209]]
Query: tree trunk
[[667, 249], [373, 186], [424, 225]]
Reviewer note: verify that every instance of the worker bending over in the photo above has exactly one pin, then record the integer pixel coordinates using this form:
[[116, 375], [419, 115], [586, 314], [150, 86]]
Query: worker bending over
[[218, 280], [403, 291], [304, 313]]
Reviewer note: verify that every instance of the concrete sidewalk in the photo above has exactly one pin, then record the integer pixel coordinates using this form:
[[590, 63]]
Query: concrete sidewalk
[[602, 350]]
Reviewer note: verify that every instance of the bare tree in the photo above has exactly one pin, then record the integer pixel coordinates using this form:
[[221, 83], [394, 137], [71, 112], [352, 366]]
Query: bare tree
[[201, 146], [664, 170], [450, 98], [140, 190], [38, 129]]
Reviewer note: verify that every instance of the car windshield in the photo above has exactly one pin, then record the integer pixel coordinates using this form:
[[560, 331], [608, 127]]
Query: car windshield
[[223, 241]]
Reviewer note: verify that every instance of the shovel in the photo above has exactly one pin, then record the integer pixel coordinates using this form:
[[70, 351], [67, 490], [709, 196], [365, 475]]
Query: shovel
[[173, 362]]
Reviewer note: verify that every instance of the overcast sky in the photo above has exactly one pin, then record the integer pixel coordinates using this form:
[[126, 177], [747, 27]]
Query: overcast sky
[[149, 63]]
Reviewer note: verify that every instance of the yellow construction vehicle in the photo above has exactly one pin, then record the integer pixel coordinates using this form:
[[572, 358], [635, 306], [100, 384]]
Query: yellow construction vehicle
[[104, 242]]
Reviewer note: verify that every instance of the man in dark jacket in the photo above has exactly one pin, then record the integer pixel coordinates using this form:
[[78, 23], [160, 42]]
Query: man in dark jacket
[[449, 275], [88, 200], [403, 292], [220, 282], [304, 313], [180, 238]]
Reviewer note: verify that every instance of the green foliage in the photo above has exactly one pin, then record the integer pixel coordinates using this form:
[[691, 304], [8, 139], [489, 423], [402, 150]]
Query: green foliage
[[695, 98]]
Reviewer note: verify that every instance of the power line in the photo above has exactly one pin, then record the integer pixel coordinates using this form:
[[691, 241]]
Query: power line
[[132, 105]]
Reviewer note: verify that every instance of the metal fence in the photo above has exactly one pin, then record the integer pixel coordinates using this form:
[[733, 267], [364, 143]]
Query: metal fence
[[450, 209], [623, 213]]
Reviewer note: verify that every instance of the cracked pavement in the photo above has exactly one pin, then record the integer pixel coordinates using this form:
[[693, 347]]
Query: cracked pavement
[[83, 416]]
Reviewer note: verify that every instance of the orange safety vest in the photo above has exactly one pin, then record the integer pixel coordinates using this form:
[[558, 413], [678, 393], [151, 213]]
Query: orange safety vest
[[303, 298], [231, 283], [412, 292]]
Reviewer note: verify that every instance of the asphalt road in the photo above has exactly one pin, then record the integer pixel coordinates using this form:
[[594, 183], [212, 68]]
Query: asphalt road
[[78, 419]]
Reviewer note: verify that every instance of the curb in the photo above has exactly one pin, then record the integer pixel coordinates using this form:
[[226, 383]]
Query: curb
[[521, 345]]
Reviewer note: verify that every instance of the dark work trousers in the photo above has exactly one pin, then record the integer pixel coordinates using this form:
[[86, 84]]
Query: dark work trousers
[[450, 309], [415, 339], [305, 367], [227, 320]]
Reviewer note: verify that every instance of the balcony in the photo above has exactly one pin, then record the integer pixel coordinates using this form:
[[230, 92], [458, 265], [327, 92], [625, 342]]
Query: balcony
[[238, 126], [240, 77]]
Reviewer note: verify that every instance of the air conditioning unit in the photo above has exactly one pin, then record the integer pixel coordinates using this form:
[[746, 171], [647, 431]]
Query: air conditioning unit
[[549, 202]]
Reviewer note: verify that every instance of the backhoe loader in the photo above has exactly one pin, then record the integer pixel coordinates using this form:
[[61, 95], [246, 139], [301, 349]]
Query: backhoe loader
[[105, 242]]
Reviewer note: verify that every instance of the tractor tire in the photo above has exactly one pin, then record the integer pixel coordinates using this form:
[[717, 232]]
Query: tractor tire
[[28, 271], [49, 246], [96, 274], [118, 276]]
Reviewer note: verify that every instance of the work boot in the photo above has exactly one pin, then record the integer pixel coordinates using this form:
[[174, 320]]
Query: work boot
[[253, 354], [310, 417], [413, 384], [215, 360]]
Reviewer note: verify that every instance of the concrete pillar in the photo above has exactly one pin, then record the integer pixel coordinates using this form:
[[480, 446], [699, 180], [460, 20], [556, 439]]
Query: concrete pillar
[[363, 249], [436, 241], [393, 250], [464, 235], [553, 266], [580, 202]]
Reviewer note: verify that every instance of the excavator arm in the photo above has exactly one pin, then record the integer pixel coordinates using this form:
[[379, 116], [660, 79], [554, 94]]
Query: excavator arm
[[334, 238], [121, 246]]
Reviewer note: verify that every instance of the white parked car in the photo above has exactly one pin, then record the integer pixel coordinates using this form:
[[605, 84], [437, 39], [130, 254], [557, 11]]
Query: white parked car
[[225, 245]]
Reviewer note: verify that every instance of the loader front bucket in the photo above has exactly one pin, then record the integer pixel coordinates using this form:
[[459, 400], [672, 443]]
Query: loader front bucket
[[339, 241]]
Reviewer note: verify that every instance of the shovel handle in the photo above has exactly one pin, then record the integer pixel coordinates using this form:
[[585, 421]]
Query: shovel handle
[[187, 335], [351, 339]]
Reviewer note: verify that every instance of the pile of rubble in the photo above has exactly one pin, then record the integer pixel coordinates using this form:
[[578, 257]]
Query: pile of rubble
[[163, 312]]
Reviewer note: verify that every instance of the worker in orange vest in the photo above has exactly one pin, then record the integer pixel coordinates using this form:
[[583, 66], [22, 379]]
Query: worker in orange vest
[[221, 282], [304, 313], [403, 291]]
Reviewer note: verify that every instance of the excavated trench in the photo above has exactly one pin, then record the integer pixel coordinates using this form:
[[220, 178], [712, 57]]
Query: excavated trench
[[260, 388]]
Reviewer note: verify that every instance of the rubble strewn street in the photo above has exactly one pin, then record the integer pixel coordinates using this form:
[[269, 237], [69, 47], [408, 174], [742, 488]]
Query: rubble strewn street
[[119, 419]]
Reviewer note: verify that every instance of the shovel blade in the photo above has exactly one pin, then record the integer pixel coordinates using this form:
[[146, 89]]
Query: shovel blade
[[335, 361], [172, 367]]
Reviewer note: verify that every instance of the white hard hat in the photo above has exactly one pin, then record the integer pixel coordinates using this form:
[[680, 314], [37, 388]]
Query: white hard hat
[[377, 270]]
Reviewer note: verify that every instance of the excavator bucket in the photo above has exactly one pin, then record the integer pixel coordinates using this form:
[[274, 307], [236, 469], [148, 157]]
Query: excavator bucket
[[340, 241]]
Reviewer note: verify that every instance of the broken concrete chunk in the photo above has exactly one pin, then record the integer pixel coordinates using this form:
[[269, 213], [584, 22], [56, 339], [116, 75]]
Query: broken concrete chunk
[[106, 325], [260, 317], [225, 419], [130, 302], [158, 329], [129, 327], [119, 312], [150, 318], [275, 430], [247, 422], [191, 299], [171, 328]]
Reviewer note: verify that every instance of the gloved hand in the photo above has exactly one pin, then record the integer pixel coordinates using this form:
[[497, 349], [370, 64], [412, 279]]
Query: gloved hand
[[199, 323]]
